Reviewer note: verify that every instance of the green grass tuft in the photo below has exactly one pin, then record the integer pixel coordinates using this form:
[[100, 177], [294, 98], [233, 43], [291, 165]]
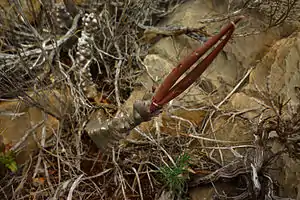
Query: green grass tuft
[[175, 177]]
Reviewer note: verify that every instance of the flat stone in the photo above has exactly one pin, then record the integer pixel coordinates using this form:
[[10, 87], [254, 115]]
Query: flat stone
[[13, 128]]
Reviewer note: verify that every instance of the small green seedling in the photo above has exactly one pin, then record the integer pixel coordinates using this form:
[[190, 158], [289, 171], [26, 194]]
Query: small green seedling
[[176, 176], [7, 158]]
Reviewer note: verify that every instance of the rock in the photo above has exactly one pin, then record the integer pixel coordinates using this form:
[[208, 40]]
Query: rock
[[180, 121], [13, 126], [237, 55], [57, 102], [227, 68], [244, 105], [157, 68], [202, 193], [208, 192], [276, 66], [222, 74], [175, 49], [166, 195], [278, 72], [286, 172], [237, 131], [172, 123]]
